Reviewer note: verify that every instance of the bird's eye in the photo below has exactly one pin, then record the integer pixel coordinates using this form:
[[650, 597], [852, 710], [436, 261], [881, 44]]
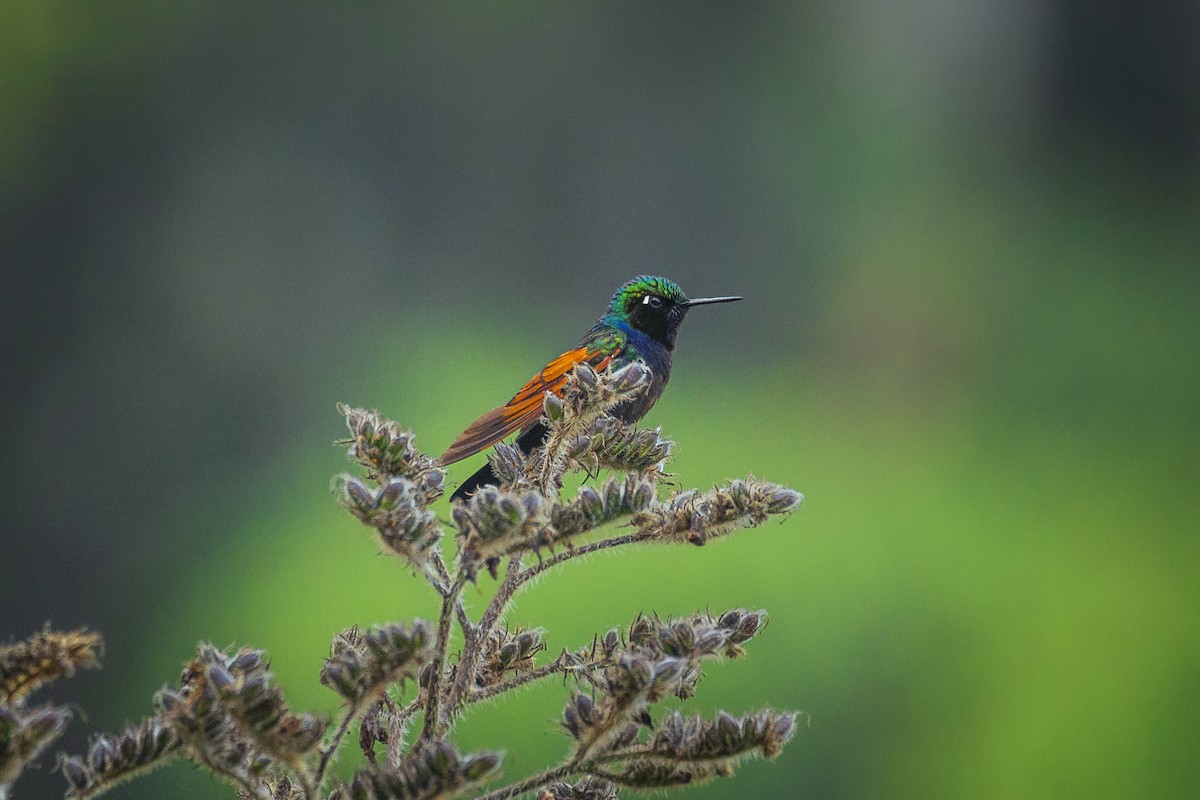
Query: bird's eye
[[653, 302]]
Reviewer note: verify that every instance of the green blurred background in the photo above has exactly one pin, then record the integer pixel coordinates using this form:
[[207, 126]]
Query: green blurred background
[[968, 235]]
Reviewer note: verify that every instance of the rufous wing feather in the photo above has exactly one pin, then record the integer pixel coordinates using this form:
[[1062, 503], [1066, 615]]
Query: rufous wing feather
[[526, 406]]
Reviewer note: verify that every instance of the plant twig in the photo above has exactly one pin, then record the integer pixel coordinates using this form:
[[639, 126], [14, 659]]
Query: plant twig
[[546, 670], [604, 544], [434, 709], [460, 609], [335, 743], [514, 579], [395, 749], [473, 648], [533, 782], [251, 789]]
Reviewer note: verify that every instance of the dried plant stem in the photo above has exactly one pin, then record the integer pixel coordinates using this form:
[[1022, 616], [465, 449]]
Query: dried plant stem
[[575, 766], [545, 671], [495, 610], [434, 710], [252, 790], [533, 782], [576, 552], [515, 578], [308, 786], [395, 748], [460, 610], [335, 742], [473, 647], [547, 480]]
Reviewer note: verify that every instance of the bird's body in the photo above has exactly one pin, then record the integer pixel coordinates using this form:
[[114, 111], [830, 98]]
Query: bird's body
[[640, 325]]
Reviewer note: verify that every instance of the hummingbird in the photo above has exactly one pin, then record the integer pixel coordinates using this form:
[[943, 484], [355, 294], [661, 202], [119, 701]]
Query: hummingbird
[[640, 324]]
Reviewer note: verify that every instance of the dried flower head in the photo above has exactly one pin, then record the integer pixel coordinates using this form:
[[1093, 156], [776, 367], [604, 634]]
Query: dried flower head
[[594, 508], [243, 687], [45, 657], [361, 666], [387, 451], [494, 523], [586, 397], [695, 517], [509, 465], [508, 652], [687, 641], [609, 443], [726, 738], [586, 789], [24, 735], [397, 512], [698, 636], [435, 771], [627, 686], [113, 759]]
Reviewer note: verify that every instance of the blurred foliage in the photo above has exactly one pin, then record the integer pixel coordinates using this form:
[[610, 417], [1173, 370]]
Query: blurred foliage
[[969, 339]]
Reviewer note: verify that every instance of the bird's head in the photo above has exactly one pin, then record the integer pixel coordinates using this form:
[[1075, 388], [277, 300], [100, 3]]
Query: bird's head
[[656, 306]]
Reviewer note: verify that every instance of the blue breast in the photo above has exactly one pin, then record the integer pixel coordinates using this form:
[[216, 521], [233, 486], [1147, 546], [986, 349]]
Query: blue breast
[[654, 355]]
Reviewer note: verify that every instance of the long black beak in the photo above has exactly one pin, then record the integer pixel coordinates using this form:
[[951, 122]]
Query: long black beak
[[703, 301]]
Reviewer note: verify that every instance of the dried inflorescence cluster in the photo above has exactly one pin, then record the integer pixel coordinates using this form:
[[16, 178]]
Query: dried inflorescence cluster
[[695, 517], [496, 523], [692, 749], [587, 789], [25, 667], [433, 771], [628, 673], [243, 689], [609, 443], [573, 438], [388, 451], [43, 658], [623, 674], [508, 653], [397, 510], [112, 759], [362, 666], [400, 484], [229, 717]]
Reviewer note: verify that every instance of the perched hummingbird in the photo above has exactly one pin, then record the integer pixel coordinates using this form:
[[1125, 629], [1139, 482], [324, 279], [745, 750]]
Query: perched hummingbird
[[640, 325]]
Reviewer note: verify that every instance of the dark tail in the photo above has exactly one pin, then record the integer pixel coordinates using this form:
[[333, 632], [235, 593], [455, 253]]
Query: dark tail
[[482, 477], [485, 477]]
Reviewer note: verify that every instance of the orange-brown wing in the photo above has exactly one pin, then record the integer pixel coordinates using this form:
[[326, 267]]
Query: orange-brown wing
[[526, 406]]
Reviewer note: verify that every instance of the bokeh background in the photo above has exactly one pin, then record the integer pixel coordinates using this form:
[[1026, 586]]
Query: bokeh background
[[968, 234]]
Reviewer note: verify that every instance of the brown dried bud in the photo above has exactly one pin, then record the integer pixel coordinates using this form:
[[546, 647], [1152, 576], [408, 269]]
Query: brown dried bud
[[727, 738], [44, 657], [587, 789], [113, 759], [386, 450], [436, 770], [24, 735], [361, 666], [695, 518], [396, 510]]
